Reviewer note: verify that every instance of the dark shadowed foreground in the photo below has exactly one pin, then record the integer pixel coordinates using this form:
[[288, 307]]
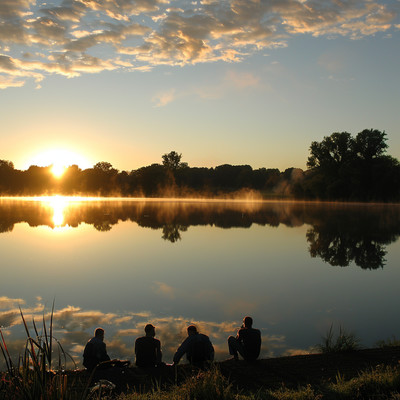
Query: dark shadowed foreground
[[293, 371], [273, 373]]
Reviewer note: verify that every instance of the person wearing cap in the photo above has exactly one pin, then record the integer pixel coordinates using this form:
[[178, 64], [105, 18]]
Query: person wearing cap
[[148, 349], [197, 346], [247, 341]]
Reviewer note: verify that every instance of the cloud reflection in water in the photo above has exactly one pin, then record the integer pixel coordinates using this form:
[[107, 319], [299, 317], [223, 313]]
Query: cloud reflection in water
[[118, 260], [74, 326]]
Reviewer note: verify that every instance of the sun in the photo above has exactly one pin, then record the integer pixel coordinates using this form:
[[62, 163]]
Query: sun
[[58, 169], [59, 160]]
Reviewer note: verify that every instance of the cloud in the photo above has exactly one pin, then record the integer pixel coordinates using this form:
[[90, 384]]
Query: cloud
[[233, 81], [7, 302], [73, 327], [89, 36], [162, 289], [163, 98], [14, 8], [242, 80], [8, 318]]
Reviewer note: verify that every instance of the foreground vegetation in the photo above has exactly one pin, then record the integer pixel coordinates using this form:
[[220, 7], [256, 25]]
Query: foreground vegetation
[[40, 376], [382, 382], [340, 167], [379, 383]]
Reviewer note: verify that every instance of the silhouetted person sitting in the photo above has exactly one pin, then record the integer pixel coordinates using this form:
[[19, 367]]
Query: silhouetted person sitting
[[95, 350], [247, 341], [148, 349], [97, 361], [197, 347]]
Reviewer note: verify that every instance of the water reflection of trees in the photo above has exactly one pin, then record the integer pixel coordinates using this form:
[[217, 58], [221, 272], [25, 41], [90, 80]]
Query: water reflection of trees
[[341, 250], [339, 233], [172, 232]]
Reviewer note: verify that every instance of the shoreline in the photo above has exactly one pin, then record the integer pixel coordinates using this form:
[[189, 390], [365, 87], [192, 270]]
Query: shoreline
[[288, 376], [271, 373]]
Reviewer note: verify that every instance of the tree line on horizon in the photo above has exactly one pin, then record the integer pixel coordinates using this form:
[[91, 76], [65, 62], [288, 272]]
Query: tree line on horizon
[[340, 167]]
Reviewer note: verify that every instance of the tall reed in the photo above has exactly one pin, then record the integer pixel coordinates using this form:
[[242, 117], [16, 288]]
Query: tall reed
[[37, 375]]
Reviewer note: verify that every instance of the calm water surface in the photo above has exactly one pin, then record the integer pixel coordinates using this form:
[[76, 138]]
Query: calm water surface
[[296, 268]]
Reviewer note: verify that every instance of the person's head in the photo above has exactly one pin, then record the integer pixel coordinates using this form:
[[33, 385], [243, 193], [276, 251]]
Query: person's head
[[150, 330], [99, 333], [191, 330], [248, 322]]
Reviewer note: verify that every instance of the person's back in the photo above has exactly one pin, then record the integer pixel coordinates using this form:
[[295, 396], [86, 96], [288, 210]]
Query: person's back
[[148, 349], [251, 340], [95, 350], [197, 346], [199, 350]]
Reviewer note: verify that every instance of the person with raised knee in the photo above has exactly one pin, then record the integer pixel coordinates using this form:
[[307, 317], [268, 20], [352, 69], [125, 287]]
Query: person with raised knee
[[247, 342]]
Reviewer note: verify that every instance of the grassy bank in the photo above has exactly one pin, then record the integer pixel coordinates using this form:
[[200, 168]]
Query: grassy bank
[[365, 374], [382, 382], [339, 371]]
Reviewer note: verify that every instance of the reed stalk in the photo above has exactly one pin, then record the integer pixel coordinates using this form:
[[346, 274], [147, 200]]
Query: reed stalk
[[37, 377]]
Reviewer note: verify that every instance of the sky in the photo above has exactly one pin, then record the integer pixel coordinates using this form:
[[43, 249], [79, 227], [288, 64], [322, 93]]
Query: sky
[[221, 82]]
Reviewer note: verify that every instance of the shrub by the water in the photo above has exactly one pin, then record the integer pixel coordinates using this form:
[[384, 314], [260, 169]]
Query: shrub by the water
[[344, 341]]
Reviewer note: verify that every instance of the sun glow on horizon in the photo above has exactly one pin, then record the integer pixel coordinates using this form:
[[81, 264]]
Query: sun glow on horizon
[[58, 169], [59, 160]]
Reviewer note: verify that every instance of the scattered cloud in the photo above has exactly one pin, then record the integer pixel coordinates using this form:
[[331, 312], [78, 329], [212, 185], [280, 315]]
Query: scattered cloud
[[88, 36], [162, 289], [161, 99], [233, 81], [6, 302], [73, 327], [242, 80]]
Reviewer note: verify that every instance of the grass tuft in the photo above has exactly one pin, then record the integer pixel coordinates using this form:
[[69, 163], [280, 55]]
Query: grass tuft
[[382, 382], [344, 341], [391, 342]]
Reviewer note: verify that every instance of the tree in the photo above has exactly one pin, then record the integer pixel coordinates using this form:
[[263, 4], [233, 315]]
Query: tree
[[370, 144], [6, 165], [332, 152], [172, 161], [149, 180], [104, 166], [330, 167], [7, 177], [70, 182], [346, 168]]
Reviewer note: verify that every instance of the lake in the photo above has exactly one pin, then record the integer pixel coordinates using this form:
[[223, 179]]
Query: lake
[[296, 267]]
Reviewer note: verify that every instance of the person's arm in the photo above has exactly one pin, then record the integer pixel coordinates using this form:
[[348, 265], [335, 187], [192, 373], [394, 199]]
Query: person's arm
[[182, 349], [259, 338], [239, 336], [210, 350], [158, 352], [102, 355]]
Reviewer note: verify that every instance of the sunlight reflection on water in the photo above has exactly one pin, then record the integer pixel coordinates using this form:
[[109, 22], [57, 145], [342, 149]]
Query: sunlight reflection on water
[[295, 267]]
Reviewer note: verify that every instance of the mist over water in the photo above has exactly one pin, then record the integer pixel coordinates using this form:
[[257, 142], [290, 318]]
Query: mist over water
[[295, 267]]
